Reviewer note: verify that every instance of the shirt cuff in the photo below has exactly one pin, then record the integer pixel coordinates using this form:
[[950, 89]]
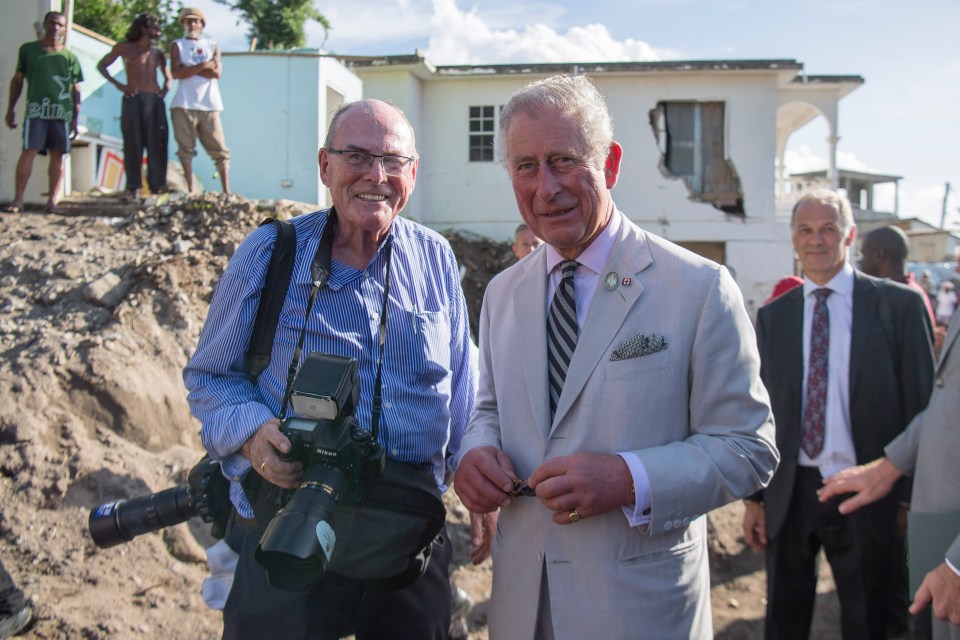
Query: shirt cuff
[[952, 568], [235, 466], [637, 514]]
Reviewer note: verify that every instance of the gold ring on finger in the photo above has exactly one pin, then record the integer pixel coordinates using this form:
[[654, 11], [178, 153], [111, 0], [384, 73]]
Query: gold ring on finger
[[574, 516]]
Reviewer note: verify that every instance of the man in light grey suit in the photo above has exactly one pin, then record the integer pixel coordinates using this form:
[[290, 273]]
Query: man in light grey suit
[[661, 415], [929, 450]]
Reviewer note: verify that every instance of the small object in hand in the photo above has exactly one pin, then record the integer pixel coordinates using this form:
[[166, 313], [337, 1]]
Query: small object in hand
[[521, 488]]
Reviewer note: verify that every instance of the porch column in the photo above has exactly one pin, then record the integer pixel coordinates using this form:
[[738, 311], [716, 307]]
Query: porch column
[[832, 171]]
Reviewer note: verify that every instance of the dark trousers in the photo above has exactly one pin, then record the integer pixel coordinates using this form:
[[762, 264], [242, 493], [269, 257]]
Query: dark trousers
[[860, 549], [143, 120], [255, 610], [11, 598]]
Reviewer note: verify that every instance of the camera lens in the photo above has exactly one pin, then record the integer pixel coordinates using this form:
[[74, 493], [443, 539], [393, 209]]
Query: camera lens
[[299, 541], [120, 521]]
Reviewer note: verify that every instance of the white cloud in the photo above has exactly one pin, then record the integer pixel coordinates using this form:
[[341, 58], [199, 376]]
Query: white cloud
[[222, 25], [356, 26], [464, 37], [803, 159], [848, 160], [455, 35]]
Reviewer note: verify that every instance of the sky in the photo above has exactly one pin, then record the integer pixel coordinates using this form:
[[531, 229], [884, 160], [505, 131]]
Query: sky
[[903, 121]]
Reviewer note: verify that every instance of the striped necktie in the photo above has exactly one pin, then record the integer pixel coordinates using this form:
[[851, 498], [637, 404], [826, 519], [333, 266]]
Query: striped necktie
[[561, 332]]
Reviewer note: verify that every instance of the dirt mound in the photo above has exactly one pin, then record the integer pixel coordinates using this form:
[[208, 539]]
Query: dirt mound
[[99, 311]]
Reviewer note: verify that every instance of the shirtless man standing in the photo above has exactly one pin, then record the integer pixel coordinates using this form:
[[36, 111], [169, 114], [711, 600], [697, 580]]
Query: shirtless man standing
[[143, 116]]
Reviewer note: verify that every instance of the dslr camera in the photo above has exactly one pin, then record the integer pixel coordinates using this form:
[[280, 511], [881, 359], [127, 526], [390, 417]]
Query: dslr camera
[[340, 460], [206, 494]]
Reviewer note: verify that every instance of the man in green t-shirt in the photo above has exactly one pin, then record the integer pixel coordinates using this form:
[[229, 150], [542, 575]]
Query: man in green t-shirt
[[53, 103]]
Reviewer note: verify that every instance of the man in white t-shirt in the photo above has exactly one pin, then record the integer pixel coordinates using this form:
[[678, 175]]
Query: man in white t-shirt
[[196, 106]]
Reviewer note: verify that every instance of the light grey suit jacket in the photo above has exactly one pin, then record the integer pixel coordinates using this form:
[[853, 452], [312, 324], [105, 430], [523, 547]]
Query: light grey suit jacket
[[929, 450], [695, 413]]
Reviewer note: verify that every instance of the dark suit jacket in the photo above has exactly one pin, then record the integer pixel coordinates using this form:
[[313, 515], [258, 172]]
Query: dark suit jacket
[[891, 375]]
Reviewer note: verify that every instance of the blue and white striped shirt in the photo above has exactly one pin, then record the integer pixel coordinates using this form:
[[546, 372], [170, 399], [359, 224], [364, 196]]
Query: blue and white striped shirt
[[428, 383]]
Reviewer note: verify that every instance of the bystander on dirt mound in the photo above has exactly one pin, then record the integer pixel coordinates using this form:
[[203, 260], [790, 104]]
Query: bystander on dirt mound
[[100, 308]]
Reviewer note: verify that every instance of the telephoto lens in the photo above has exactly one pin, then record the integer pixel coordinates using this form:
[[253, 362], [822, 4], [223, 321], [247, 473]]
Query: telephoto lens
[[299, 541], [120, 521]]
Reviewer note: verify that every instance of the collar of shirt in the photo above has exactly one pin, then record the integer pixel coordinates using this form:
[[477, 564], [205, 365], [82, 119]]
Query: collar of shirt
[[841, 283], [340, 274], [595, 256], [592, 260]]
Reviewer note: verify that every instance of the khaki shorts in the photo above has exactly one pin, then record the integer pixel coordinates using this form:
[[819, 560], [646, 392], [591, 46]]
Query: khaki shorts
[[188, 124]]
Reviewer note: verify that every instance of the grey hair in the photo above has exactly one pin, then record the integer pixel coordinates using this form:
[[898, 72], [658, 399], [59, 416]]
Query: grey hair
[[828, 198], [575, 96], [339, 113]]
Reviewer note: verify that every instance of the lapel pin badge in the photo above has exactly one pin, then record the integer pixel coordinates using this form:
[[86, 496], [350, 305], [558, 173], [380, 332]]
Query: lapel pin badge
[[612, 281], [626, 281]]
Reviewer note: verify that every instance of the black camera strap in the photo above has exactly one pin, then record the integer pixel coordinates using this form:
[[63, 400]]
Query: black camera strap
[[320, 273], [377, 397]]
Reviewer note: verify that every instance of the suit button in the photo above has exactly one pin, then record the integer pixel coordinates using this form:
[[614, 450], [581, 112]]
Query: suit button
[[940, 382], [668, 525]]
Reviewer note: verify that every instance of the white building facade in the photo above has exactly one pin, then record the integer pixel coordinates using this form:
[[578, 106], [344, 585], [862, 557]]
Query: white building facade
[[701, 140]]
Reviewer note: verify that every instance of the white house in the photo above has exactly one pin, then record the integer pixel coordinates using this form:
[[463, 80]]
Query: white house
[[702, 142]]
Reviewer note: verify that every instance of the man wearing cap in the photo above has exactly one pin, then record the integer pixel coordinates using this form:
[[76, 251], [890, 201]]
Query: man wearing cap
[[196, 106]]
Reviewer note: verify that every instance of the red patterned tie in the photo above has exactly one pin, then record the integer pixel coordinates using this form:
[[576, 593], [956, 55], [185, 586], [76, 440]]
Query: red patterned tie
[[815, 408]]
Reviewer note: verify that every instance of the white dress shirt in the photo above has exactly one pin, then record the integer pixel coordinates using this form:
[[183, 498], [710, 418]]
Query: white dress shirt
[[585, 282], [838, 452]]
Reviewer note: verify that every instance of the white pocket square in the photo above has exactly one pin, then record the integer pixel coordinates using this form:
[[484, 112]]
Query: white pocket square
[[638, 345]]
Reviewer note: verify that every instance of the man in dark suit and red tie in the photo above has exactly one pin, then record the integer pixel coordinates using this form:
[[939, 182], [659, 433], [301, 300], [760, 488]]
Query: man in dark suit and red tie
[[848, 362]]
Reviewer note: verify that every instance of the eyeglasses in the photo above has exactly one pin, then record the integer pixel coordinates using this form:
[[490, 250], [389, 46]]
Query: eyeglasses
[[361, 161]]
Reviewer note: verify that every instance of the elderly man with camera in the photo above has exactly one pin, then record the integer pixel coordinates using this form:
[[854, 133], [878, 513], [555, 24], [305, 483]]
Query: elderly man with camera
[[380, 297]]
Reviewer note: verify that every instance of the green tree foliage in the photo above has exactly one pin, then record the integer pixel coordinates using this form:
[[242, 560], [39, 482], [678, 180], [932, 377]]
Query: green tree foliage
[[112, 18], [277, 24]]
